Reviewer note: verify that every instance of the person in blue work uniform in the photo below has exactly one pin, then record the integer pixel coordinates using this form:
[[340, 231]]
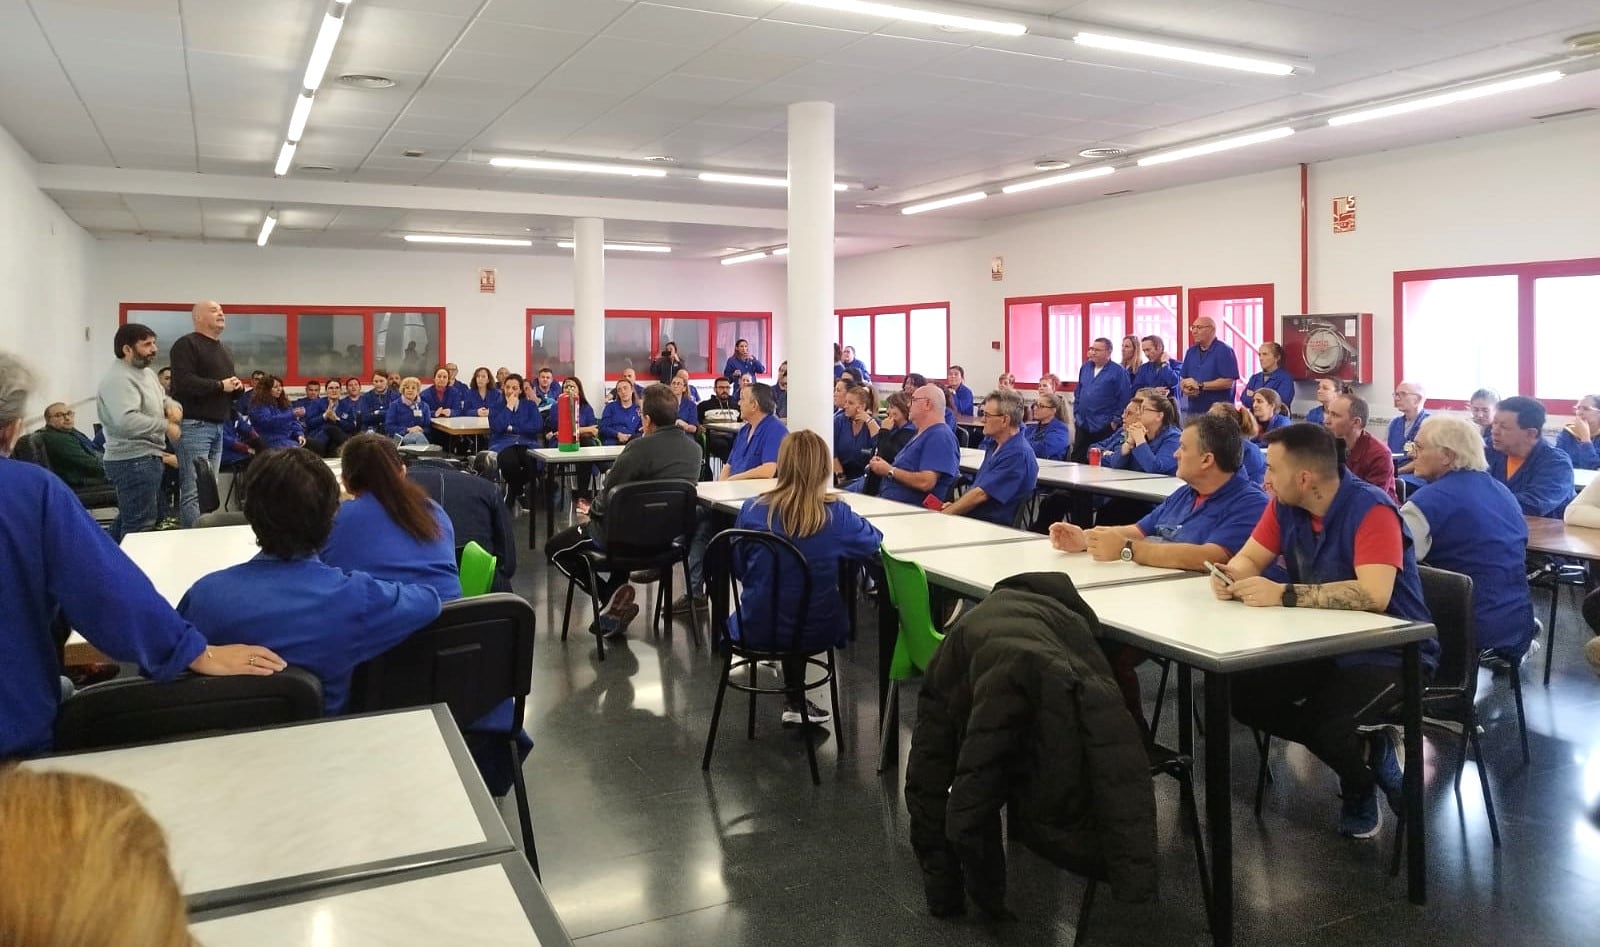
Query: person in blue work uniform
[[1409, 399], [515, 427], [319, 417], [1464, 520], [1254, 463], [1049, 435], [620, 422], [441, 398], [483, 394], [1269, 411], [742, 363], [1103, 391], [930, 463], [688, 409], [1344, 546], [1576, 438], [1272, 377], [460, 387], [1210, 368], [1208, 519], [347, 405], [406, 418], [1480, 407], [545, 389], [956, 388], [58, 565], [855, 435], [391, 529], [1538, 475], [272, 416], [851, 363], [893, 435], [1010, 471], [1150, 438], [372, 407], [1157, 371], [827, 533], [1327, 390], [317, 616]]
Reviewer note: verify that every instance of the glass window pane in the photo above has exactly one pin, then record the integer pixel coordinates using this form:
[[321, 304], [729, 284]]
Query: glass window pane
[[1157, 315], [1024, 341], [258, 342], [550, 344], [330, 345], [1107, 319], [1066, 341], [856, 332], [730, 329], [628, 345], [1566, 321], [168, 325], [889, 354], [694, 342], [1461, 334], [405, 342], [930, 344]]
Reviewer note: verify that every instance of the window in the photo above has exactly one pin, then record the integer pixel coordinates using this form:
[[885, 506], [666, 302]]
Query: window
[[1517, 327], [300, 342], [1244, 318], [896, 340], [634, 337], [1051, 334]]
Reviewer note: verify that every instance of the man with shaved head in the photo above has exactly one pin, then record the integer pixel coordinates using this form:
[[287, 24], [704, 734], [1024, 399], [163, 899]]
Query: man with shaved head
[[203, 383], [929, 463], [1209, 371]]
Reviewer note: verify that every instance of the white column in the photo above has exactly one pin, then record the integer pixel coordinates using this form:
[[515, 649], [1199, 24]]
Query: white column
[[809, 326], [589, 307]]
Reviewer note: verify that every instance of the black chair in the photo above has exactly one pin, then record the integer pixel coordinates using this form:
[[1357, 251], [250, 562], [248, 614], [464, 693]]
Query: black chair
[[139, 710], [476, 655], [30, 448], [205, 484], [727, 557], [648, 525], [1554, 574], [220, 518]]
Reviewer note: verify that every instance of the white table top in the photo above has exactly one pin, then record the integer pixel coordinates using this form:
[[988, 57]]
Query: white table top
[[483, 902], [929, 530], [252, 814], [976, 570], [874, 508], [1182, 619], [1153, 489], [1581, 477], [175, 558], [730, 496], [555, 455], [972, 459], [1072, 475], [469, 424]]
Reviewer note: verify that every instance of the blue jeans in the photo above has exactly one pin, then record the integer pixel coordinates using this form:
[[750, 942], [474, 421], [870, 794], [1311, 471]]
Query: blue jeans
[[198, 439], [138, 485]]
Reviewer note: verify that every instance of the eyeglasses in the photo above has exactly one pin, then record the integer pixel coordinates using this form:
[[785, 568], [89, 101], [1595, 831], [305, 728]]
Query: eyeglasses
[[1201, 325], [924, 398]]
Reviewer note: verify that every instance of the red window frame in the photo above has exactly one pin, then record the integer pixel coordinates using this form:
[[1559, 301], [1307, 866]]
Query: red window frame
[[1084, 300], [1526, 274], [839, 316], [710, 316], [292, 375]]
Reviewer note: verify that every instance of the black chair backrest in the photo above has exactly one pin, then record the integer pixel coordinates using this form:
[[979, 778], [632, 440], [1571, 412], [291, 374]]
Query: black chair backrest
[[220, 518], [138, 710], [475, 655], [646, 518], [205, 482], [1448, 596], [729, 556], [30, 448]]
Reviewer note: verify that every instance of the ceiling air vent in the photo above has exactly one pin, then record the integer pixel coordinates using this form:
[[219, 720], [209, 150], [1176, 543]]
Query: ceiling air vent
[[317, 168], [355, 80], [1102, 152], [1126, 190], [1569, 113]]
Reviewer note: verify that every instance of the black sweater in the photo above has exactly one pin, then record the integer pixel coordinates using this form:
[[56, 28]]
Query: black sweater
[[199, 364]]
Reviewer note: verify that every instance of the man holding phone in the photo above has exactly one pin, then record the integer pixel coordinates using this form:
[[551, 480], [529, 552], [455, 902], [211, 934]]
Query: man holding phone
[[1344, 546]]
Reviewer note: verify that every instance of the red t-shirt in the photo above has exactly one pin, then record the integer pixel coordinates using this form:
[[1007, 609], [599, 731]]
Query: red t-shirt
[[1378, 540]]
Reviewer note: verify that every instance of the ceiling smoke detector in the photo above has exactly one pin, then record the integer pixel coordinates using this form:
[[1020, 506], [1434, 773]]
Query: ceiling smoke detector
[[356, 80], [1102, 152], [1050, 164]]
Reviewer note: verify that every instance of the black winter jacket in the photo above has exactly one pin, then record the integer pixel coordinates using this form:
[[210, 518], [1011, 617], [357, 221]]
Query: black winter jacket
[[1019, 709]]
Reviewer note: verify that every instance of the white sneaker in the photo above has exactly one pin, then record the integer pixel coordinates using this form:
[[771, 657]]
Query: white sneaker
[[813, 715]]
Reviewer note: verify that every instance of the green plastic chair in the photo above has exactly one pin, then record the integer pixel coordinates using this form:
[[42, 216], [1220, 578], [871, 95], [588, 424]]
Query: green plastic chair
[[914, 645], [477, 570]]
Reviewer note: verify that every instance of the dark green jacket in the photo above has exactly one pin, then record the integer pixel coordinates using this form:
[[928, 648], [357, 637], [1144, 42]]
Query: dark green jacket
[[1019, 709], [71, 458]]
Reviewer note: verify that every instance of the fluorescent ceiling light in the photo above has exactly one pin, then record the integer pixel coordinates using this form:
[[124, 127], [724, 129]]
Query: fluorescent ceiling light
[[1446, 98], [1222, 144], [743, 258], [285, 156], [759, 180], [585, 167], [297, 121], [322, 51], [892, 11], [475, 241], [266, 229], [780, 251], [1055, 179], [1200, 57], [632, 247], [943, 202]]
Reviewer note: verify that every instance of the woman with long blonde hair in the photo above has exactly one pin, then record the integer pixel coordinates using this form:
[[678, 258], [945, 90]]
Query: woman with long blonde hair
[[826, 532]]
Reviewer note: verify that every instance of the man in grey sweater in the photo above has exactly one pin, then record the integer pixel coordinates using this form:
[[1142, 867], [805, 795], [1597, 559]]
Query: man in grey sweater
[[139, 419]]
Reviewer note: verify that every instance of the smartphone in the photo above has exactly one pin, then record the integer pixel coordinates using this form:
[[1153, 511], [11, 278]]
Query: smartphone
[[1216, 570]]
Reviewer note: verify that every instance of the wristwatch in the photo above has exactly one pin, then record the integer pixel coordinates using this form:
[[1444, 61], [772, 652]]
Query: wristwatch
[[1127, 551], [1290, 600]]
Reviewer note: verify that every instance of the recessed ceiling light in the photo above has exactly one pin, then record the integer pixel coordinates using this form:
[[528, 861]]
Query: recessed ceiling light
[[942, 202], [626, 247], [661, 159], [474, 241], [356, 80], [1102, 152], [580, 167], [868, 205], [1050, 164]]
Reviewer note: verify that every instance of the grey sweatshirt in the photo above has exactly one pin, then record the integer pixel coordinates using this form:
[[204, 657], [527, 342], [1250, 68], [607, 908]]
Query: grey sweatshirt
[[132, 410]]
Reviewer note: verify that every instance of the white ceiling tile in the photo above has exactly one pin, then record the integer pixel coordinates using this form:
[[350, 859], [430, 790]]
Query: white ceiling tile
[[890, 52], [698, 90], [589, 16], [789, 39], [622, 66], [153, 24], [539, 47], [283, 29], [677, 25], [724, 63]]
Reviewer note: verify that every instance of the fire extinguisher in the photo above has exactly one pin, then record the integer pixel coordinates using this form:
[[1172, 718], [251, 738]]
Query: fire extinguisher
[[566, 422]]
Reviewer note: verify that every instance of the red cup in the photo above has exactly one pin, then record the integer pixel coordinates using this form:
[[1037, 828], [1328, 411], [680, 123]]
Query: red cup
[[1094, 456]]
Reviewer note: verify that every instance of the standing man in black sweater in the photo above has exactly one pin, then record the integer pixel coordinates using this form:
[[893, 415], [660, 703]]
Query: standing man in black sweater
[[204, 383]]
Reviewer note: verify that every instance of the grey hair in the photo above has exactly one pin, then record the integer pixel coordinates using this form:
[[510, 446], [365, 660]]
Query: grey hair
[[16, 384], [1009, 403], [1458, 436]]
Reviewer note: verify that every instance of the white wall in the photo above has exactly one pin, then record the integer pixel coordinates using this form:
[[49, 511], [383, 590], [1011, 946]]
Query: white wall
[[44, 282]]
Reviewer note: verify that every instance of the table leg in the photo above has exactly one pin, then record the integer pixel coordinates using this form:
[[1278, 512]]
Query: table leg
[[1219, 805], [1416, 836], [888, 633], [1185, 711], [550, 503]]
